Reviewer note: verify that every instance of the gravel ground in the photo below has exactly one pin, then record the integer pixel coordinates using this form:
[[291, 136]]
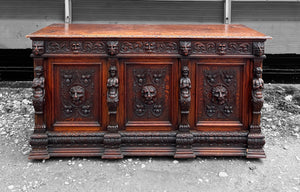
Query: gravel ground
[[280, 171]]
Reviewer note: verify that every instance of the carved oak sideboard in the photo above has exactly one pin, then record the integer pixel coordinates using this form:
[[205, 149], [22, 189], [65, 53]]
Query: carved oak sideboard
[[147, 90]]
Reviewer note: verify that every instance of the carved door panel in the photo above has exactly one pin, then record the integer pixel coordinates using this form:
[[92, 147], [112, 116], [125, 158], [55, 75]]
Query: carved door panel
[[222, 89], [76, 99], [151, 101]]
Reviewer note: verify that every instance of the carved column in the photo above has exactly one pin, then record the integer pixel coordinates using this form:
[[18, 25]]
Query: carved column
[[184, 138], [39, 138], [256, 140], [112, 139]]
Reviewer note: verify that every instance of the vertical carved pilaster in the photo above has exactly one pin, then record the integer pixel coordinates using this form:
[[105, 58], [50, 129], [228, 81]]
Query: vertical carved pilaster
[[184, 139], [112, 139], [112, 97], [39, 138], [256, 140]]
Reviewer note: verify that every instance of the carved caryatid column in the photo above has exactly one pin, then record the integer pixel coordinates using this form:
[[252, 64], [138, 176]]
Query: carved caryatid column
[[256, 140], [112, 139], [184, 138], [39, 138]]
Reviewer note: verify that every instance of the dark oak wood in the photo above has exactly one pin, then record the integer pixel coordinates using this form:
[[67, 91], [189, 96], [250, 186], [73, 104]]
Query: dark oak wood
[[147, 90]]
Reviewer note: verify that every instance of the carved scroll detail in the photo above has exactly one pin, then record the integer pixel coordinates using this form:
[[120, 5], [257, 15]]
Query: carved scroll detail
[[66, 47], [221, 48], [157, 47]]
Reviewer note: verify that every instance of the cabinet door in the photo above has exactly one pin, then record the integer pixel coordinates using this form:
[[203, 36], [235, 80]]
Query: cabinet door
[[151, 98], [222, 94], [74, 92]]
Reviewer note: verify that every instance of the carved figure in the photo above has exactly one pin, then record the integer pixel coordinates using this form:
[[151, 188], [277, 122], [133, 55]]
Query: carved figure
[[222, 48], [38, 47], [149, 93], [113, 47], [77, 94], [38, 86], [185, 86], [258, 86], [76, 47], [219, 94], [258, 48], [149, 46], [185, 47], [112, 86]]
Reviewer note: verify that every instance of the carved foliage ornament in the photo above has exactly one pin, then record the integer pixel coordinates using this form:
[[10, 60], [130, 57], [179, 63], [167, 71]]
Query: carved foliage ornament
[[61, 47], [158, 47], [147, 46], [221, 48]]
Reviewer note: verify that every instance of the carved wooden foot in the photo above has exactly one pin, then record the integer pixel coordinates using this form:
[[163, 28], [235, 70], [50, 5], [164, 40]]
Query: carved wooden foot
[[183, 152], [112, 149], [184, 143], [255, 153], [256, 141], [39, 144]]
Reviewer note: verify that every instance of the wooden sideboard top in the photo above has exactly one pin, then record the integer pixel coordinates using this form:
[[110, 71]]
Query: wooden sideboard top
[[231, 31]]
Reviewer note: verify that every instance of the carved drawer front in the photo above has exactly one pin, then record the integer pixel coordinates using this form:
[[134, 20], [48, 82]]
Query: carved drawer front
[[221, 94], [149, 95], [77, 96]]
